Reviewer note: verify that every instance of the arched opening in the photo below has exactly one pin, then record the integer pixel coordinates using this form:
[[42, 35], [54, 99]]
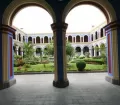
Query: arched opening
[[85, 50], [37, 39], [92, 51], [19, 51], [70, 39], [45, 39], [23, 38], [78, 51], [19, 36], [85, 38], [38, 51], [77, 38], [92, 37], [14, 36], [101, 32], [14, 49], [97, 50], [30, 39], [96, 35]]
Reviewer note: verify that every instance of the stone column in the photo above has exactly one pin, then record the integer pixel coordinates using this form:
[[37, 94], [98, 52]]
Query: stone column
[[82, 51], [21, 52], [112, 32], [90, 51], [60, 78], [75, 39], [17, 50], [6, 57], [95, 53]]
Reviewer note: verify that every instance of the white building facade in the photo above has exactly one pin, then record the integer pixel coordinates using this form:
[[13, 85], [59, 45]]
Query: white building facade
[[81, 41]]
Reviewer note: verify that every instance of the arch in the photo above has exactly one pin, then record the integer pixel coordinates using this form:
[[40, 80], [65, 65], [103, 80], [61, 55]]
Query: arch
[[92, 50], [103, 5], [19, 51], [14, 37], [45, 39], [85, 49], [23, 38], [19, 35], [96, 35], [97, 50], [101, 32], [77, 38], [78, 49], [37, 39], [92, 37], [17, 5], [30, 39], [38, 51], [14, 49], [70, 39], [85, 38]]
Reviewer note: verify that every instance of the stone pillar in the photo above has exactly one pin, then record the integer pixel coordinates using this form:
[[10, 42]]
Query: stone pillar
[[21, 52], [60, 78], [112, 32], [75, 39], [95, 53], [17, 50], [82, 51], [90, 51], [6, 55]]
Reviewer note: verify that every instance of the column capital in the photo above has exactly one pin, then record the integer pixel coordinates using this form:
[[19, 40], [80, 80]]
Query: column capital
[[7, 29], [112, 26], [59, 26]]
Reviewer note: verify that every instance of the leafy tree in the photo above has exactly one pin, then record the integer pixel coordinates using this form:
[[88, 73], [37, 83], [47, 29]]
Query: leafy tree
[[50, 49], [40, 52], [28, 52], [69, 49]]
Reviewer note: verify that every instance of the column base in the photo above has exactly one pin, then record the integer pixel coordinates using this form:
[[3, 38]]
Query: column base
[[60, 84], [7, 84], [112, 80]]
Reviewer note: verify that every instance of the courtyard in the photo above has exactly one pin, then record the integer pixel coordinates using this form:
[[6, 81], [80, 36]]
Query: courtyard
[[84, 89]]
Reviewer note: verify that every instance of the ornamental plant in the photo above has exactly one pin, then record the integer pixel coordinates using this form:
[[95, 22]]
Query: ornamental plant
[[81, 65]]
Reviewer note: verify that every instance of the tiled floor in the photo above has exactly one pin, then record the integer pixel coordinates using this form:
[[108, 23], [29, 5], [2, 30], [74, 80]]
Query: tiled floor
[[84, 89]]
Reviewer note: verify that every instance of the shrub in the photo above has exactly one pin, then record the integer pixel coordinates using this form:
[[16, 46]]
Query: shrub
[[27, 65], [80, 65]]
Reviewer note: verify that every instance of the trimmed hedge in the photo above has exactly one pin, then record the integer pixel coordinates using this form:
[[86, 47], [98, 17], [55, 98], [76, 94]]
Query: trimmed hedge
[[80, 65]]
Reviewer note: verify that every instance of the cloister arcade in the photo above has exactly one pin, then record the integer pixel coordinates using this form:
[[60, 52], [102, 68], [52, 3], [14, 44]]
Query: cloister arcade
[[82, 42]]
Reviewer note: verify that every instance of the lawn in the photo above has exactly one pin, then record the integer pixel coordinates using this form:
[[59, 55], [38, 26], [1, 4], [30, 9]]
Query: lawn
[[49, 67]]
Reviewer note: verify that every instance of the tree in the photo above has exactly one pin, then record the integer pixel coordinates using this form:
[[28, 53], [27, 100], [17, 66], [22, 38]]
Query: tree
[[28, 52], [50, 49], [69, 49]]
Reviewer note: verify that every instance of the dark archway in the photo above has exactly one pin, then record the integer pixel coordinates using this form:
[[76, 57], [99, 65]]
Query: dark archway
[[38, 51], [92, 37], [77, 38], [70, 39], [96, 35], [85, 49], [97, 50], [19, 36], [78, 49], [19, 51], [45, 39], [92, 51], [30, 39], [85, 38], [37, 39]]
